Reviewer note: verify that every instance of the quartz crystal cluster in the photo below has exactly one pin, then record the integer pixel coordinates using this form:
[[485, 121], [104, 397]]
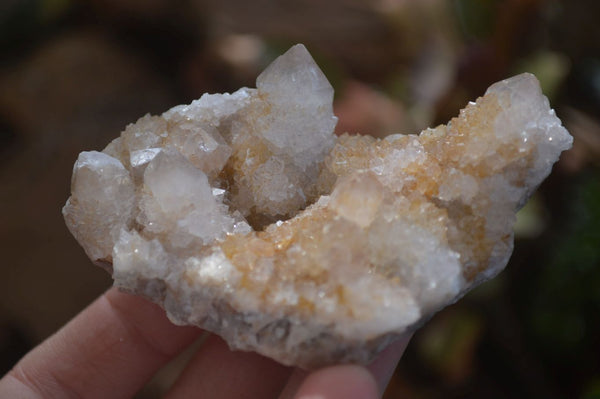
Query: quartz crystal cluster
[[245, 215]]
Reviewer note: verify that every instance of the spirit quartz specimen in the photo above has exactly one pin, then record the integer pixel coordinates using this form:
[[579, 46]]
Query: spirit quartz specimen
[[245, 215]]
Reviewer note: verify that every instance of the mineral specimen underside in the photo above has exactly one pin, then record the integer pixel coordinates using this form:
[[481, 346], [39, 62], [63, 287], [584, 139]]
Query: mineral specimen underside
[[245, 215]]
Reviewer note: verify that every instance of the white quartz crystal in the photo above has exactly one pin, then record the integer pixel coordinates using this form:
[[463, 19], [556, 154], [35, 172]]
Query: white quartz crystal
[[102, 203], [245, 215]]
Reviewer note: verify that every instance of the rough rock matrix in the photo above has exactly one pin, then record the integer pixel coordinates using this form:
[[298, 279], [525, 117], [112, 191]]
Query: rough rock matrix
[[245, 215]]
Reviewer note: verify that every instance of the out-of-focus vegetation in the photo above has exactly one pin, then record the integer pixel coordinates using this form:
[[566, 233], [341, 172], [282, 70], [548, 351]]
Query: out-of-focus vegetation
[[73, 74]]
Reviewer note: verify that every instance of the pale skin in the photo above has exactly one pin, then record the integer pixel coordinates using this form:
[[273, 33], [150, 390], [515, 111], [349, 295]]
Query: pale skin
[[114, 346]]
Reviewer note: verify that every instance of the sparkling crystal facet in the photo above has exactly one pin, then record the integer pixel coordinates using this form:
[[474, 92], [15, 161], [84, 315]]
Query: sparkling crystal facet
[[243, 214]]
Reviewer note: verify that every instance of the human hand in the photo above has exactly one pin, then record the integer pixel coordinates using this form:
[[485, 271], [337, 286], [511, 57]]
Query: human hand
[[113, 347]]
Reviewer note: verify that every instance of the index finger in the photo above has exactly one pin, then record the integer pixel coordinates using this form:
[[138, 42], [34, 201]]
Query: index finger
[[109, 350]]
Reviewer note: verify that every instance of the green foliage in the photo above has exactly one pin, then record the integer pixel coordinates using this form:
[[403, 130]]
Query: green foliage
[[566, 295], [475, 17], [592, 391]]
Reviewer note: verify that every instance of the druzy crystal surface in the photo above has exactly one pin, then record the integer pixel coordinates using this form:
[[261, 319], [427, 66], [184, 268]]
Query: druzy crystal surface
[[245, 215]]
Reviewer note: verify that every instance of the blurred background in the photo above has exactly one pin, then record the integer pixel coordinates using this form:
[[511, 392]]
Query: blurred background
[[74, 73]]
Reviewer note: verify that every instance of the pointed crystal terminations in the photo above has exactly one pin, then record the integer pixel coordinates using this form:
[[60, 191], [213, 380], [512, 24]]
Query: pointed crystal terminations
[[245, 215]]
